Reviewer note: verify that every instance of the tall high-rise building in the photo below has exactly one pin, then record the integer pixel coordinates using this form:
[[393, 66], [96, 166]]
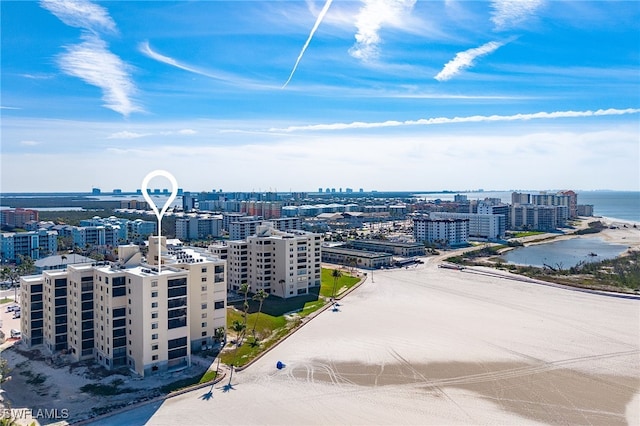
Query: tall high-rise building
[[134, 313]]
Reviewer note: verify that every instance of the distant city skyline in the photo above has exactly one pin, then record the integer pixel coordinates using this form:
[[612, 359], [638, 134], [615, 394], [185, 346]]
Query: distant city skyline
[[293, 96]]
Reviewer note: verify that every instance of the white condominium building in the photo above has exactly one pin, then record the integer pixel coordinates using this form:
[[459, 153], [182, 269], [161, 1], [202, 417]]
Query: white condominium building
[[285, 264], [447, 232], [128, 313], [485, 226]]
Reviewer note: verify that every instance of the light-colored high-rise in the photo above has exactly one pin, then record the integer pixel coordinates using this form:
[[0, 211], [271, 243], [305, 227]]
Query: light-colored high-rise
[[132, 313]]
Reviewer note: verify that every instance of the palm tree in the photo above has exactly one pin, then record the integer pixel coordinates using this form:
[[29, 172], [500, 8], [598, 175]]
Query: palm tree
[[336, 274], [238, 328], [25, 266], [259, 296], [244, 288]]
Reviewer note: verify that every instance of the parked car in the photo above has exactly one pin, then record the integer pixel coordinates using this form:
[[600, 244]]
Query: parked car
[[15, 333], [16, 314], [12, 308]]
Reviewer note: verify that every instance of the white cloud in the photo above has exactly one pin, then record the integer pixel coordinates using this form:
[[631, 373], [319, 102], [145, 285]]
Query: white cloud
[[446, 120], [145, 48], [29, 143], [127, 135], [373, 15], [8, 107], [511, 13], [466, 59], [92, 62], [306, 44], [186, 132], [81, 14]]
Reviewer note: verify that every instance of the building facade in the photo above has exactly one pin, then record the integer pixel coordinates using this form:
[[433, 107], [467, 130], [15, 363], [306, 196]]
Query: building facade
[[143, 316], [445, 232]]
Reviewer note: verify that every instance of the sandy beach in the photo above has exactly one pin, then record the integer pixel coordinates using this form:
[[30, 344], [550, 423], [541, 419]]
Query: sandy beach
[[427, 345]]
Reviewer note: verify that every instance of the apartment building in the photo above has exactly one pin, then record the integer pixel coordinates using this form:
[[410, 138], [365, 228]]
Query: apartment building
[[285, 264], [482, 226], [144, 316], [287, 223], [16, 218], [33, 244], [441, 231], [243, 228], [541, 218], [198, 227]]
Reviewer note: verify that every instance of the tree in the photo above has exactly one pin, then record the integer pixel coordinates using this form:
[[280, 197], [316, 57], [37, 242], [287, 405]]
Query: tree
[[259, 296], [238, 328], [244, 289], [336, 274], [25, 266], [281, 282]]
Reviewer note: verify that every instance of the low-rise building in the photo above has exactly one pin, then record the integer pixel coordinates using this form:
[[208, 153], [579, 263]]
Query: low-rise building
[[359, 258]]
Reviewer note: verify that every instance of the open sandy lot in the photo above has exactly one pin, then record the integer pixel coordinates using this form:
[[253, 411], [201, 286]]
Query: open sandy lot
[[426, 345]]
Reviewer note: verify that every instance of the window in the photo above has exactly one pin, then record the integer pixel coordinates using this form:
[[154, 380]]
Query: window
[[204, 306], [154, 358], [204, 324], [154, 283], [154, 294], [204, 315], [154, 326], [154, 304], [204, 279], [154, 347], [204, 333], [219, 304], [204, 270], [154, 337], [154, 315], [203, 288]]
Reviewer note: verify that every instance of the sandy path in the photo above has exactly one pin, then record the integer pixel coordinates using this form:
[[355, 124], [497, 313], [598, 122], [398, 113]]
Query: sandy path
[[432, 346]]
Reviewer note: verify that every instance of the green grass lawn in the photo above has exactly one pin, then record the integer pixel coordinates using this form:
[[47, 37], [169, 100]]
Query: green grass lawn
[[5, 300], [272, 324], [526, 234], [344, 283]]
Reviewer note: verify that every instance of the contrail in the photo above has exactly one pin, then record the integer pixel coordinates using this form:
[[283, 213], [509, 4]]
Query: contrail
[[313, 30]]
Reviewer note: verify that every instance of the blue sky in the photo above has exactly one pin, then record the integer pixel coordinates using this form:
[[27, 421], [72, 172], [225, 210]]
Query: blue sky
[[296, 95]]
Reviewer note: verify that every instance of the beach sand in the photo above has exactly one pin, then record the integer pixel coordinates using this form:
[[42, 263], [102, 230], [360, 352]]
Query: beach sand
[[427, 345]]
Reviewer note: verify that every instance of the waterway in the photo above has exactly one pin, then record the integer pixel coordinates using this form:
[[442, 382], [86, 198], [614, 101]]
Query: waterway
[[565, 253]]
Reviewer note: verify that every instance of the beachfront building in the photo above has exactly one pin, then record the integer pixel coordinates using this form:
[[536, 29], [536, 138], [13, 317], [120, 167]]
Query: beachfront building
[[285, 264], [539, 218], [128, 313], [360, 258], [585, 209], [481, 226], [391, 247], [445, 232]]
